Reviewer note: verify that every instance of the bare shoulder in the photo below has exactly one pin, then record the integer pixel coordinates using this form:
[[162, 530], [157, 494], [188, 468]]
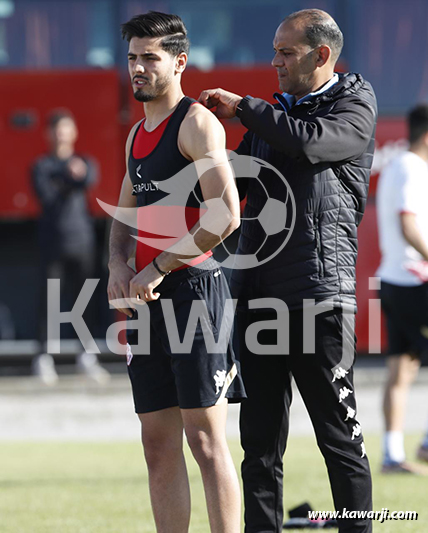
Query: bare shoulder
[[198, 116], [200, 132], [129, 143], [133, 129], [131, 136]]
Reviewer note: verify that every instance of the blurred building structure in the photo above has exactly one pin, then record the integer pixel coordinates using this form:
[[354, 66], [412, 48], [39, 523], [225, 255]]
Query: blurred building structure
[[385, 39], [69, 53]]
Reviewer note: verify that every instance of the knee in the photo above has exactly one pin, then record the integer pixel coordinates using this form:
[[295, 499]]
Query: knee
[[203, 446], [402, 371], [401, 379], [160, 451]]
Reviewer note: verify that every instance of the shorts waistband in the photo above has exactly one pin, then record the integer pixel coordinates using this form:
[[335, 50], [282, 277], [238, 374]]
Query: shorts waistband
[[191, 272]]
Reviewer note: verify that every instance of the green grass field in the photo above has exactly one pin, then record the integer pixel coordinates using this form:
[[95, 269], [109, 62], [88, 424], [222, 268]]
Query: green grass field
[[102, 487]]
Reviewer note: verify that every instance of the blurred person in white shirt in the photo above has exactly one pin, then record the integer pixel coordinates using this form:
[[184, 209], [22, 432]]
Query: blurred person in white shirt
[[402, 212]]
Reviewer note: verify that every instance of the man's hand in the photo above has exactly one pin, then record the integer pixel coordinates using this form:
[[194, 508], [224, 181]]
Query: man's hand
[[118, 285], [78, 168], [224, 101], [419, 269], [141, 286], [412, 234]]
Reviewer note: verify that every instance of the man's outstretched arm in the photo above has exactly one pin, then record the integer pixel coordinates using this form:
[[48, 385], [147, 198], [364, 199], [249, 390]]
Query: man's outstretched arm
[[341, 135]]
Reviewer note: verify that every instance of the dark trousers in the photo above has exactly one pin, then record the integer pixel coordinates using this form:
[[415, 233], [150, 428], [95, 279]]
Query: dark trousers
[[72, 268], [264, 421]]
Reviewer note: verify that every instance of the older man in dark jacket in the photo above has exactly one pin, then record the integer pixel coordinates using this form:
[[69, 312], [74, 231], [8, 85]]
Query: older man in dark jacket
[[320, 136]]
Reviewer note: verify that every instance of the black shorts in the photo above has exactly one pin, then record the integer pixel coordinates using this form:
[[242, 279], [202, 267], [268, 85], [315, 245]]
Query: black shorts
[[406, 311], [197, 374]]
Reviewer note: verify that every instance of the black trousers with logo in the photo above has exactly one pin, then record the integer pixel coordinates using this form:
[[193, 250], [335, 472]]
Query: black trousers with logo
[[331, 406]]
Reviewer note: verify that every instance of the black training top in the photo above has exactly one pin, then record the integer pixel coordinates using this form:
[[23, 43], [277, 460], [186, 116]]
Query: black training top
[[65, 222]]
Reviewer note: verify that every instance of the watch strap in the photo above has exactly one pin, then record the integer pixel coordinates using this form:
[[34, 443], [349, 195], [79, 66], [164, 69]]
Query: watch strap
[[241, 104], [161, 272]]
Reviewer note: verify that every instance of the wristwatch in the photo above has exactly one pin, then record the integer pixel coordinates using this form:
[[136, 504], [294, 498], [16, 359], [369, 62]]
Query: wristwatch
[[239, 107]]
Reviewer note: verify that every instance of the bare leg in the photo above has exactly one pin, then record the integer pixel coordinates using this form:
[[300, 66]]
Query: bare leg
[[206, 433], [402, 371], [162, 436], [422, 452]]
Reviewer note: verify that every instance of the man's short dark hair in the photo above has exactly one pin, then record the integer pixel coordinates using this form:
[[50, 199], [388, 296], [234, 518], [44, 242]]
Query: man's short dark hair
[[58, 114], [320, 28], [417, 120], [156, 24]]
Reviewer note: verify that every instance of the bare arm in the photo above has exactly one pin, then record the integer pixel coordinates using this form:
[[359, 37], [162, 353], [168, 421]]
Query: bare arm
[[412, 234], [202, 134], [122, 244]]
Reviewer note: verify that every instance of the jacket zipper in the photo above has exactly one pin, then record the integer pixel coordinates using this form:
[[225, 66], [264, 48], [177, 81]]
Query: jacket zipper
[[319, 248]]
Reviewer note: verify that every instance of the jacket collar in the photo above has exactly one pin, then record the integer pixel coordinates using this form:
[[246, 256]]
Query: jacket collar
[[338, 83]]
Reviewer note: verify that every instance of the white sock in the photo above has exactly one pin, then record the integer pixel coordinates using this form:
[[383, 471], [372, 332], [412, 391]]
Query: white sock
[[393, 447]]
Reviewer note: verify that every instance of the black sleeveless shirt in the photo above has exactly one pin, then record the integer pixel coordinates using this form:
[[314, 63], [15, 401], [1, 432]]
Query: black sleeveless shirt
[[164, 162], [167, 183]]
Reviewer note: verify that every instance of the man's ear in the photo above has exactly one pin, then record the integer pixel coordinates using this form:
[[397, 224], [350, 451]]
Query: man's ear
[[180, 62], [324, 54]]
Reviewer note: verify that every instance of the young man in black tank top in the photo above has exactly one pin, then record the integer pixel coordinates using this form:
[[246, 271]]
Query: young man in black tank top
[[173, 391]]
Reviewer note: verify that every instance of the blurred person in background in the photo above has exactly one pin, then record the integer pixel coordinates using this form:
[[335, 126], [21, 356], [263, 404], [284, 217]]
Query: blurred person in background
[[61, 180], [402, 212], [320, 135]]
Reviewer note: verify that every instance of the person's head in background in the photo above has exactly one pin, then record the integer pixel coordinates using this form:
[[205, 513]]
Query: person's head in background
[[417, 121], [62, 131], [307, 45]]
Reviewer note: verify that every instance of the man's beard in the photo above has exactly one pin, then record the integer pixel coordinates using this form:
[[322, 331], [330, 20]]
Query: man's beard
[[143, 97], [159, 88]]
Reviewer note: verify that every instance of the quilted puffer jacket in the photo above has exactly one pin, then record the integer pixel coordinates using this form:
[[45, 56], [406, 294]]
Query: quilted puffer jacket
[[323, 147]]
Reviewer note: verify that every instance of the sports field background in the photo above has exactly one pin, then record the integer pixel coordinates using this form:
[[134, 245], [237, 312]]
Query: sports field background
[[71, 462], [101, 487]]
